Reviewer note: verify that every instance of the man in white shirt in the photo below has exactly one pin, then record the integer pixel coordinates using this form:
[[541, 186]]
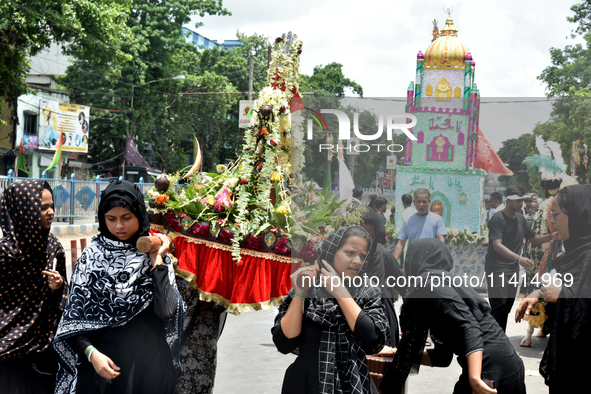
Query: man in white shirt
[[409, 210], [357, 196], [496, 201]]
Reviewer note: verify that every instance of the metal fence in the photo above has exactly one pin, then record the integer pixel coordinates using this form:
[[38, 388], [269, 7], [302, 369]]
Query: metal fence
[[73, 198]]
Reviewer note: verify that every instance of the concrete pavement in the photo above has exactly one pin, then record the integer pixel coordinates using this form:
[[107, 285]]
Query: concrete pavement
[[84, 228], [248, 361]]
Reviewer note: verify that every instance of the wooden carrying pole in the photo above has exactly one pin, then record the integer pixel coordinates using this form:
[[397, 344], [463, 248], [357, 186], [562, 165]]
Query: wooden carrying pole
[[149, 244]]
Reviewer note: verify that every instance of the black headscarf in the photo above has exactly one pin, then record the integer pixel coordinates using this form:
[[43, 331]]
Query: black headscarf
[[341, 360], [327, 252], [426, 258], [30, 309], [569, 346], [577, 259], [124, 194]]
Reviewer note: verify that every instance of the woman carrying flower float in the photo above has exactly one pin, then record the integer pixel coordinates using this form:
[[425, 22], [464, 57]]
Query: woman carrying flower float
[[332, 328], [120, 330]]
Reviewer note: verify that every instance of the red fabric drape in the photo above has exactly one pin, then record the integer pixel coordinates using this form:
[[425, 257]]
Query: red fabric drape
[[257, 280]]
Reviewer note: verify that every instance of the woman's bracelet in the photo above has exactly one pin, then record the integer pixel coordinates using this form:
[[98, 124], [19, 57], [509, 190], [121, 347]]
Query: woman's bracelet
[[88, 351], [540, 298]]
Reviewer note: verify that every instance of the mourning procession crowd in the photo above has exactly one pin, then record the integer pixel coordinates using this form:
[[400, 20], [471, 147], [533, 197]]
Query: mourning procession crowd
[[124, 322]]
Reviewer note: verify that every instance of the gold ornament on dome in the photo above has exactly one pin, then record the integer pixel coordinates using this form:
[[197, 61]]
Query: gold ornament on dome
[[449, 29], [447, 51]]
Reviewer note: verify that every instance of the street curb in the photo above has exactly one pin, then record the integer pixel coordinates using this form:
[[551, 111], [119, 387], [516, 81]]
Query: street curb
[[75, 229]]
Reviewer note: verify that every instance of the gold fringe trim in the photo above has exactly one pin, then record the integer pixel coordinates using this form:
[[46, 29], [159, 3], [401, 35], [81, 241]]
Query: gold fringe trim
[[237, 309], [228, 248]]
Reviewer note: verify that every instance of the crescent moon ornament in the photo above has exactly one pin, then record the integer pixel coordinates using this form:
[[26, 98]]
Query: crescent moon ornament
[[198, 158]]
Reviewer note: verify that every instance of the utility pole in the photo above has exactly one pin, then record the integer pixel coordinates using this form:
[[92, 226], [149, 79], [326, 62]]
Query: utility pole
[[133, 114], [250, 76]]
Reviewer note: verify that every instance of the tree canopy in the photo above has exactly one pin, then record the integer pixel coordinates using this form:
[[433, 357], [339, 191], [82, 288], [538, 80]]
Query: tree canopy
[[329, 80], [87, 29], [160, 112], [568, 79]]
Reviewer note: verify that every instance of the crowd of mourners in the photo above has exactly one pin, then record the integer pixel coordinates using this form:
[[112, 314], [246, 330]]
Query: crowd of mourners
[[125, 322]]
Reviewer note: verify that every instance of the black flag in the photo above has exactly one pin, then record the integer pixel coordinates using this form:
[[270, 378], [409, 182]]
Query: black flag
[[133, 156]]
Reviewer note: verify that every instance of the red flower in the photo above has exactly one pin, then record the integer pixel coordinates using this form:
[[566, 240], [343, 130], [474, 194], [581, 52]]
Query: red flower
[[172, 221], [278, 39], [273, 143], [200, 229], [255, 243], [282, 109], [281, 247], [225, 236], [246, 149], [243, 182], [308, 252]]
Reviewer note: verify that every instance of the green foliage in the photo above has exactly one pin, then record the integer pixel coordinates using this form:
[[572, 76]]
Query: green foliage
[[329, 80], [87, 28], [582, 16], [166, 113], [568, 78], [513, 152], [571, 121], [232, 64]]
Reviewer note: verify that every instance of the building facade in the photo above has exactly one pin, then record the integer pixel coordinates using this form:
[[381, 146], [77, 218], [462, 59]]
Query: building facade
[[201, 42]]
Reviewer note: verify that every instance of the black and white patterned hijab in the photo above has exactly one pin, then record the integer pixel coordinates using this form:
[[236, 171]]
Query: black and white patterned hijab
[[342, 364], [110, 285]]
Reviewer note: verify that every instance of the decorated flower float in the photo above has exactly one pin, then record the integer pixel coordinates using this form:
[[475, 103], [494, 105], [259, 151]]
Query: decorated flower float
[[236, 233]]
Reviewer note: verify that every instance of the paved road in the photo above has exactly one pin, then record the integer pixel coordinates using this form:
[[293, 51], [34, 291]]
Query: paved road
[[249, 363]]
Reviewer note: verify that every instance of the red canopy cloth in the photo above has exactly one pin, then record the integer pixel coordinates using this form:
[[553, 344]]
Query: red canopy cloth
[[487, 159], [258, 282]]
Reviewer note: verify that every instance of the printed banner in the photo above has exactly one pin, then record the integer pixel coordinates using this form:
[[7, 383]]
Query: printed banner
[[71, 118], [244, 107], [30, 141]]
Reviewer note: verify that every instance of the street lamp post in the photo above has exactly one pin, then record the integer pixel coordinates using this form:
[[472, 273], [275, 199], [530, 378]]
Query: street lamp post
[[133, 115]]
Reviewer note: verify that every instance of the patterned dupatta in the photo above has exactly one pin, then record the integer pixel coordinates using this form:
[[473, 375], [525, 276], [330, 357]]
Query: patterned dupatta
[[29, 309], [341, 360], [110, 285]]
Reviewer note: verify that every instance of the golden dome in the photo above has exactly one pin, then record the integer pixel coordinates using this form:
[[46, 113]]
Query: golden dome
[[447, 51]]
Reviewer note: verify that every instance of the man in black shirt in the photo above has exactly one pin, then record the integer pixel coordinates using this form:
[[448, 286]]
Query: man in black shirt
[[507, 230]]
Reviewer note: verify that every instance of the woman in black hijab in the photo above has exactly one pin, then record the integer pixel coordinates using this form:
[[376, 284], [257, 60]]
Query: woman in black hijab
[[32, 289], [120, 329], [460, 323], [566, 359], [332, 329]]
